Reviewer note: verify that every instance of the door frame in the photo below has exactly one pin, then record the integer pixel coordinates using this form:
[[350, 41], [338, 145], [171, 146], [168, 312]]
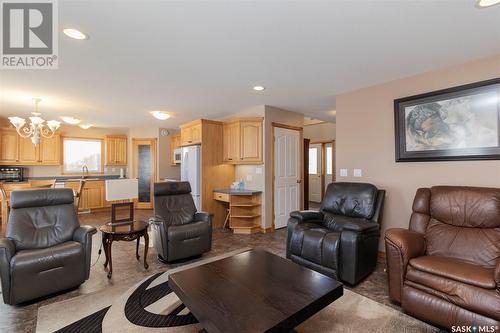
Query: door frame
[[323, 162], [301, 165], [135, 144]]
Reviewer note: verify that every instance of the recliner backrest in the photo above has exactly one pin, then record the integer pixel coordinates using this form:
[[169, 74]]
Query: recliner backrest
[[350, 199], [41, 218], [459, 222], [173, 202]]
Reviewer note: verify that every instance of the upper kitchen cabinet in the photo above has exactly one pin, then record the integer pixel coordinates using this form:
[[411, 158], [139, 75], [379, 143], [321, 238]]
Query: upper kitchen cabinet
[[175, 142], [9, 152], [21, 151], [243, 141], [116, 150], [191, 133]]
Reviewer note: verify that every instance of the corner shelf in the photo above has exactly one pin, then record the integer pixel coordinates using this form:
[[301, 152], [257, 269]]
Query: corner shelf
[[245, 213]]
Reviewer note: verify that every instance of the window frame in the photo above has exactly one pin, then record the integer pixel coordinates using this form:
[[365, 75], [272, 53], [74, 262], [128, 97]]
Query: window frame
[[76, 138]]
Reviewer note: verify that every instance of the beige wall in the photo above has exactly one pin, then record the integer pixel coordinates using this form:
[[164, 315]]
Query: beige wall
[[165, 167], [320, 132], [365, 139]]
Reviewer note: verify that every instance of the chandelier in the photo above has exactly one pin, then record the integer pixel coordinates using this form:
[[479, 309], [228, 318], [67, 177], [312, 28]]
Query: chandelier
[[37, 126]]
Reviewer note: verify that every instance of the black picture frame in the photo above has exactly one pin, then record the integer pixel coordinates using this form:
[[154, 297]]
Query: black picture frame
[[456, 154]]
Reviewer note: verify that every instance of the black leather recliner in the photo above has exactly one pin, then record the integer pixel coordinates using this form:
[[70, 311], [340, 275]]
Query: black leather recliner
[[179, 231], [45, 249], [341, 239]]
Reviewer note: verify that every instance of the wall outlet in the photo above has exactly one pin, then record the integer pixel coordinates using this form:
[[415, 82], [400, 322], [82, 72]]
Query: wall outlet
[[249, 178], [258, 170], [343, 172], [357, 173]]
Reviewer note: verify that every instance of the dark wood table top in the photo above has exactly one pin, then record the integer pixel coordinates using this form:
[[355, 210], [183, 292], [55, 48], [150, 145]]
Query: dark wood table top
[[254, 291], [124, 228]]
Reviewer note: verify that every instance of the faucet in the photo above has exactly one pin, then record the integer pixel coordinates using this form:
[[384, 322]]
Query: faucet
[[85, 169]]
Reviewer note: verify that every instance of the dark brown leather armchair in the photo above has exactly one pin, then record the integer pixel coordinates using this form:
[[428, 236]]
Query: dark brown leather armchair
[[446, 268]]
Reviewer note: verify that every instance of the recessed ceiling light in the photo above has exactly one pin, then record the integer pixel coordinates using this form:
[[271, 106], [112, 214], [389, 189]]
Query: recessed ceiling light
[[160, 115], [76, 34], [71, 120], [259, 88], [86, 126], [486, 3]]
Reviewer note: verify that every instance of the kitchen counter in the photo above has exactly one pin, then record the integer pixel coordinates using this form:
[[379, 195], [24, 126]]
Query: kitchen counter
[[231, 191]]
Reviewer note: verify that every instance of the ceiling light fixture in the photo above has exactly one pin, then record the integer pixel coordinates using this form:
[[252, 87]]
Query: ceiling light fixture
[[71, 120], [259, 88], [160, 115], [486, 3], [75, 34], [86, 126], [36, 128]]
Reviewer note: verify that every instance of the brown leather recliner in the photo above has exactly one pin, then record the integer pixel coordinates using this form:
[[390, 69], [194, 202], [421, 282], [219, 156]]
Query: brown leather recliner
[[446, 268]]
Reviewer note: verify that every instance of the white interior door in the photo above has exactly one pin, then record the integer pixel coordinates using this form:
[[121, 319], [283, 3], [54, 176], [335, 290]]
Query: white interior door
[[315, 172], [328, 164], [287, 174]]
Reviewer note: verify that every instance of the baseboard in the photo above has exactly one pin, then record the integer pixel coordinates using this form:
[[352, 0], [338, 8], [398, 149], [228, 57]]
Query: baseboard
[[266, 230]]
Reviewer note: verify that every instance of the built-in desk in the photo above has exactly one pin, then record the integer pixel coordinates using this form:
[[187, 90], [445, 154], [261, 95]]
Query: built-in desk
[[244, 209]]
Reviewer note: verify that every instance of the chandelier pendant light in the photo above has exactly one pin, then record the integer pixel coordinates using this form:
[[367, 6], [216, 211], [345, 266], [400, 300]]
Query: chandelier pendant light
[[37, 127]]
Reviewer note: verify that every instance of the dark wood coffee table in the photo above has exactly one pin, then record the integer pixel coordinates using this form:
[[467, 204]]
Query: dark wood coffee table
[[254, 291], [124, 231]]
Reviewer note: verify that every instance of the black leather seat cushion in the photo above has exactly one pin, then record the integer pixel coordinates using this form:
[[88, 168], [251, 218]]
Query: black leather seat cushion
[[51, 269], [316, 244]]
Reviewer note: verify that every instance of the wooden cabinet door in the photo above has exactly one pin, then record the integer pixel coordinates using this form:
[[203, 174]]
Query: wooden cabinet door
[[187, 136], [120, 151], [28, 152], [50, 150], [9, 152], [94, 194], [196, 133], [175, 142], [110, 147], [231, 142], [251, 141]]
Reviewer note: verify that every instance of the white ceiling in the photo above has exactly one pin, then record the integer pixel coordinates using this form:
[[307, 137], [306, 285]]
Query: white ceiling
[[201, 59]]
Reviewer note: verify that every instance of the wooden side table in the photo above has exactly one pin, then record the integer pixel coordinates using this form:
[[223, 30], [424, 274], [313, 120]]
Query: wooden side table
[[124, 231]]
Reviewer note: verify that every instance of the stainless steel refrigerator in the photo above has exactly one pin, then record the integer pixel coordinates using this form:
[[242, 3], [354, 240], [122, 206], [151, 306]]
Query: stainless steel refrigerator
[[191, 171]]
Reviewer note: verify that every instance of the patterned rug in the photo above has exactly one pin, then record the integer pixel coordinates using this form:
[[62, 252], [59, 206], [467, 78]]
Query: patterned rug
[[151, 306]]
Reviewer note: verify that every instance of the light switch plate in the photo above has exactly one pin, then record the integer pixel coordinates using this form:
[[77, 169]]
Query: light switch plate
[[357, 173], [258, 170], [343, 172]]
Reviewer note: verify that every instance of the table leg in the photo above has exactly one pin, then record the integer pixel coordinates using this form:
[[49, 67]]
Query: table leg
[[110, 272], [146, 246], [137, 248], [105, 248]]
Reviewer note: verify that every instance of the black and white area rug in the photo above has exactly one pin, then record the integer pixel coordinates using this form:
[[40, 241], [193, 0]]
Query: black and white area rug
[[151, 306]]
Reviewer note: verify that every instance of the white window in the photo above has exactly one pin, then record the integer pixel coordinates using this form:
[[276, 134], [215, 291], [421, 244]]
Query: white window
[[313, 161], [329, 160], [82, 152]]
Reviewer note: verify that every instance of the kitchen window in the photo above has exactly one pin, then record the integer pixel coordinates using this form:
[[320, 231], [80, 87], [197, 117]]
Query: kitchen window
[[79, 152]]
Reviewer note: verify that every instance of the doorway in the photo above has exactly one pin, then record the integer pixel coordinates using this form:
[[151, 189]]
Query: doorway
[[320, 170], [287, 172], [144, 169]]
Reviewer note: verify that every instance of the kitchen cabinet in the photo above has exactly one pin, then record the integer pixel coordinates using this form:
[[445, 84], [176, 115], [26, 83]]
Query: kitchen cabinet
[[191, 133], [116, 150], [93, 196], [9, 152], [242, 140], [175, 142], [16, 150]]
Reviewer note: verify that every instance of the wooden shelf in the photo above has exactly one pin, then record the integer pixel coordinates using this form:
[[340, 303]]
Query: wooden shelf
[[245, 216], [252, 204]]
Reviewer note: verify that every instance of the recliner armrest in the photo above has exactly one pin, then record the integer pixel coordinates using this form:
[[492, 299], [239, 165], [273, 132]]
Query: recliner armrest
[[7, 251], [156, 221], [359, 226], [307, 215], [203, 217], [81, 233], [411, 244], [497, 274]]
